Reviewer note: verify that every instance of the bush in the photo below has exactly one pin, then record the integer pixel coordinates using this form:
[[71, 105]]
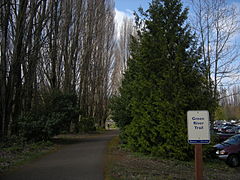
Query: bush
[[12, 141], [32, 126], [87, 124], [53, 117]]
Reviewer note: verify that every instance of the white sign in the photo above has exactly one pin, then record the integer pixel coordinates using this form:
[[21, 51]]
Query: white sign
[[198, 127]]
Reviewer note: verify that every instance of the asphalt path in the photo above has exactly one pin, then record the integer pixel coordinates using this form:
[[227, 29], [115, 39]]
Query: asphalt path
[[83, 160]]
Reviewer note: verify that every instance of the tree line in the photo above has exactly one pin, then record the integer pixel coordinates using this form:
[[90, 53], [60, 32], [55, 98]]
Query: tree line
[[55, 52], [229, 102]]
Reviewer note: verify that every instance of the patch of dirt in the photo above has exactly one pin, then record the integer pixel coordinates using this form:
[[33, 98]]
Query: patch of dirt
[[124, 165]]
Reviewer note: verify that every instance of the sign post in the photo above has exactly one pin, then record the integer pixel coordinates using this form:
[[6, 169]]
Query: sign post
[[198, 134], [198, 162]]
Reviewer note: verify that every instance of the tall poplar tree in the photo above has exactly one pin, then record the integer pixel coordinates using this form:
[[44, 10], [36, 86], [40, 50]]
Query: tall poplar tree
[[164, 80]]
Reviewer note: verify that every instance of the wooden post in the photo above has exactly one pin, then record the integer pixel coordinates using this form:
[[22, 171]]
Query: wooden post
[[198, 162]]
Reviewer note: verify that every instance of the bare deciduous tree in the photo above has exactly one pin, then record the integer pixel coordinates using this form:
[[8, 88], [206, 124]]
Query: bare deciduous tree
[[122, 52], [49, 45], [216, 24]]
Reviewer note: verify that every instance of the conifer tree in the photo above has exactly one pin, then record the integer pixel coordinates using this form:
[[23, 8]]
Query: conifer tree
[[164, 80]]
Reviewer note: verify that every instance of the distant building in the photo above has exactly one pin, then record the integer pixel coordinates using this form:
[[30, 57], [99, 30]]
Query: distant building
[[110, 124]]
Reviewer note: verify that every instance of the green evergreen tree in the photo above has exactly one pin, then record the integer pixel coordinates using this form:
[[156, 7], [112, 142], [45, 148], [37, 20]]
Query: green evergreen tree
[[164, 80]]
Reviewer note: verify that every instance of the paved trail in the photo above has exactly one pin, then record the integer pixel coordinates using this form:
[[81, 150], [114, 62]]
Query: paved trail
[[81, 161]]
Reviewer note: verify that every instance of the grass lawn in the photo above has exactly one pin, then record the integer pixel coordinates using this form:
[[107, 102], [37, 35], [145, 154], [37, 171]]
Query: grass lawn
[[124, 165]]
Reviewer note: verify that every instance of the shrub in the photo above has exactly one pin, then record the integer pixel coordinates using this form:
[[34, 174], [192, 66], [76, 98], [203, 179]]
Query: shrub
[[87, 124], [52, 118], [32, 126]]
